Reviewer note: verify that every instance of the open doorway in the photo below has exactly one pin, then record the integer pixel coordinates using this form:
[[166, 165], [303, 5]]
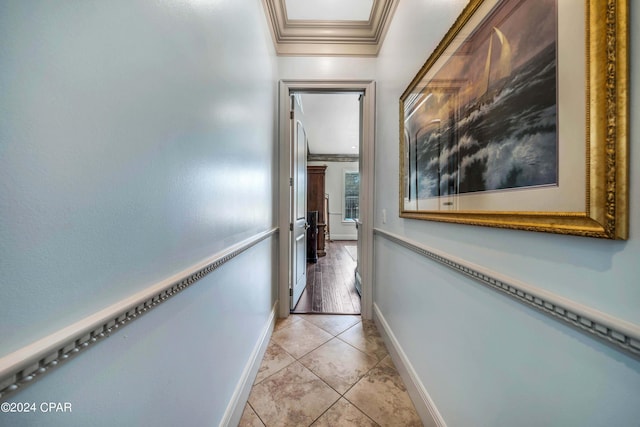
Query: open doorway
[[354, 166], [331, 122]]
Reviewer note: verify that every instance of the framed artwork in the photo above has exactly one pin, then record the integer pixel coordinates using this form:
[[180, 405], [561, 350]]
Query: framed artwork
[[519, 119]]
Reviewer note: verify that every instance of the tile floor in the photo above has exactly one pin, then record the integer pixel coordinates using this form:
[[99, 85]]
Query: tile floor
[[328, 370]]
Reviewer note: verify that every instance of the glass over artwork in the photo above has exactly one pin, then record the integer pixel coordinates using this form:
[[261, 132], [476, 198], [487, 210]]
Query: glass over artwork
[[518, 119], [486, 119]]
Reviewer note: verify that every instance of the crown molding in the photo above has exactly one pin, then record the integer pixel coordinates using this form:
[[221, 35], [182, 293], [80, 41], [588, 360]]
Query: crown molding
[[314, 37]]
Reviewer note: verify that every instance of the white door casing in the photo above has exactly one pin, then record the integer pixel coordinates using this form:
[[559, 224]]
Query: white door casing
[[365, 256]]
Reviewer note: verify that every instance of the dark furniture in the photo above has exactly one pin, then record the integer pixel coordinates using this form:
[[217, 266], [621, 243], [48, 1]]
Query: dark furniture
[[312, 236], [316, 202]]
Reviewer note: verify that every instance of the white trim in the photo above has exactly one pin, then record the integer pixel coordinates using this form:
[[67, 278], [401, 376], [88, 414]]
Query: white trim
[[367, 201], [24, 365], [425, 406], [343, 193], [619, 333], [366, 180], [238, 401], [284, 205], [353, 237], [315, 37]]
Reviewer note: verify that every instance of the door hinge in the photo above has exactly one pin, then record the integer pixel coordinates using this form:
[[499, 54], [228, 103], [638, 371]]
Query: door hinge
[[290, 182], [290, 226], [290, 292], [291, 115]]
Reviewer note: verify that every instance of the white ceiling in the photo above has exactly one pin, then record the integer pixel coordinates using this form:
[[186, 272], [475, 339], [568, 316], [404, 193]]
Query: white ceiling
[[329, 10], [332, 122]]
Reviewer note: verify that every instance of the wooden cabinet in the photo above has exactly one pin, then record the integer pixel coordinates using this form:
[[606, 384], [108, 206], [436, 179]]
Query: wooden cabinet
[[316, 202]]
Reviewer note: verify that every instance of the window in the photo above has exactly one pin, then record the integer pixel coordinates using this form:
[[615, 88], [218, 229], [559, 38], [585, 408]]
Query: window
[[351, 196]]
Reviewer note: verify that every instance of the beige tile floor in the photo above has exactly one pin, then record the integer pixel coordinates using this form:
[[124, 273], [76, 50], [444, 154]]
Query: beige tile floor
[[328, 370]]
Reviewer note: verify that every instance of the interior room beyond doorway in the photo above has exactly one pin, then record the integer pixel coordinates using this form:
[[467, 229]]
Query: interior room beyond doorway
[[332, 127]]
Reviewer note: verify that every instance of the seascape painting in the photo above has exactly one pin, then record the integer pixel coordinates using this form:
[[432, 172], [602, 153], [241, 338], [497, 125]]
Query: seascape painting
[[487, 119]]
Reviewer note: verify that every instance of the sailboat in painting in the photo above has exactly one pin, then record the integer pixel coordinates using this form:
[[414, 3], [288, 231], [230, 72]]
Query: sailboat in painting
[[501, 69]]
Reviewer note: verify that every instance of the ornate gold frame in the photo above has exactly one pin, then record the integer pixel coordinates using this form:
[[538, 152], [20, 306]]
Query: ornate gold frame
[[607, 115]]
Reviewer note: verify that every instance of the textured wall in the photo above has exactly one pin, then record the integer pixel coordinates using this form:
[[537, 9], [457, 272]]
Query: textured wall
[[484, 359], [136, 139]]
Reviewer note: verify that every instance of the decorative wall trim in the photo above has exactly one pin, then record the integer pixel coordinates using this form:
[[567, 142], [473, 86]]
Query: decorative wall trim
[[31, 362], [233, 414], [425, 406], [619, 333]]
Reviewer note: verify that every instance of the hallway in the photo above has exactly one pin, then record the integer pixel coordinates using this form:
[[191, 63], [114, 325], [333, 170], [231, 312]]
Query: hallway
[[146, 205], [328, 370]]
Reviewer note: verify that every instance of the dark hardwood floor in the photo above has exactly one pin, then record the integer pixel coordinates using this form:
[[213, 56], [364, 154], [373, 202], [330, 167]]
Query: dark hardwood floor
[[331, 282]]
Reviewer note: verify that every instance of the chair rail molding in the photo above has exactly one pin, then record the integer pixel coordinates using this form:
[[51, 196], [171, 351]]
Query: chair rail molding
[[618, 333], [25, 365]]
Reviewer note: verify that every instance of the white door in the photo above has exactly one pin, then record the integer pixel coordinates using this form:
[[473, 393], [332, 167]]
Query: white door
[[298, 205], [358, 220]]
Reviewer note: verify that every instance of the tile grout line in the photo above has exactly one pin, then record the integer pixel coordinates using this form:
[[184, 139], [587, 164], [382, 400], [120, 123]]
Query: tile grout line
[[279, 370], [358, 408], [343, 395], [360, 378], [256, 412], [298, 359]]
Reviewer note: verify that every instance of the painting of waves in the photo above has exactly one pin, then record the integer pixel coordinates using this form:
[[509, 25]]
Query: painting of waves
[[487, 120]]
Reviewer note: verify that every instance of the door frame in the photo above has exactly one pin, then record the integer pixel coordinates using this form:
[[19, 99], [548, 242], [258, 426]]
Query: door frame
[[367, 87]]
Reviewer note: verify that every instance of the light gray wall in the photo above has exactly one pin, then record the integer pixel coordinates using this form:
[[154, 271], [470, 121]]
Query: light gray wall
[[136, 139], [484, 359], [334, 187], [326, 68]]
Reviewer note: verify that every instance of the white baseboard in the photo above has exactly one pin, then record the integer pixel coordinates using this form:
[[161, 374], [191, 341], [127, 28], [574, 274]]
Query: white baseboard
[[425, 406], [233, 414], [333, 236]]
